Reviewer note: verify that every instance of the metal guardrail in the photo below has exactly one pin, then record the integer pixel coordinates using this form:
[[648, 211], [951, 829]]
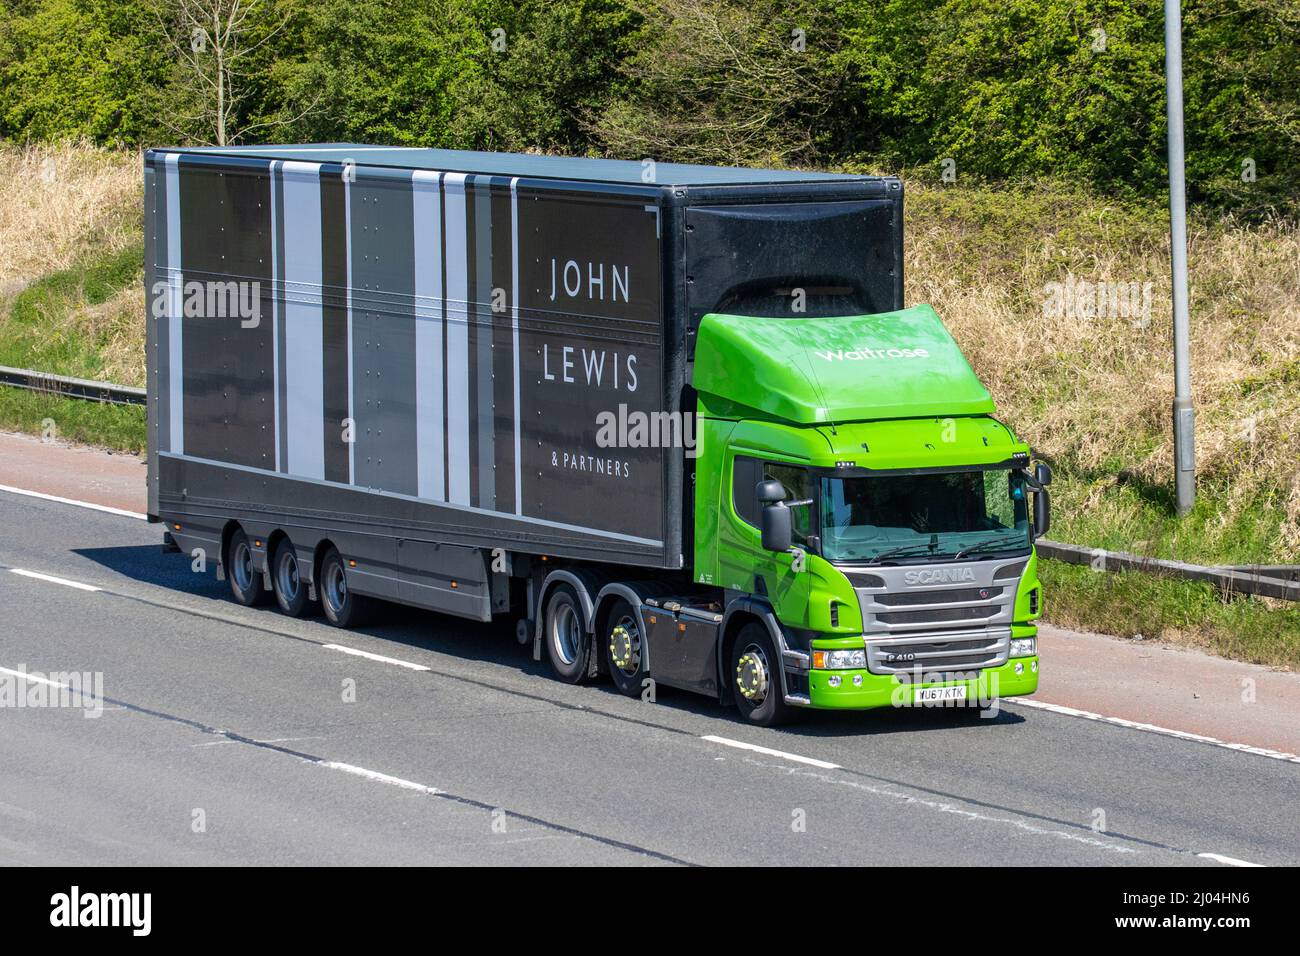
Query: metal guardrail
[[68, 387], [1267, 580]]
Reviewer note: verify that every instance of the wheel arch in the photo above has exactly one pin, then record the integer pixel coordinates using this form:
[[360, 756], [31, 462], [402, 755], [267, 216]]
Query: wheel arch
[[227, 533], [323, 547], [742, 611], [272, 542], [583, 585]]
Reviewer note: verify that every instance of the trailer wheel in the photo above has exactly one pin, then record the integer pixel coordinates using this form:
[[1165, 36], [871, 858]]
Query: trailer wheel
[[342, 607], [754, 680], [566, 635], [290, 589], [245, 581], [623, 644]]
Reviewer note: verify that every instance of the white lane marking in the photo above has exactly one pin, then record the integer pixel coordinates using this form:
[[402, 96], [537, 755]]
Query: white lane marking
[[952, 807], [1154, 729], [72, 501], [768, 751], [375, 657], [34, 679], [53, 580], [1231, 861], [378, 777]]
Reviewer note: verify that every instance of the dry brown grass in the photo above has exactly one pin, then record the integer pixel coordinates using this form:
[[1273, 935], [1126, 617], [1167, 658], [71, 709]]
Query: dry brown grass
[[73, 205], [60, 203], [118, 325]]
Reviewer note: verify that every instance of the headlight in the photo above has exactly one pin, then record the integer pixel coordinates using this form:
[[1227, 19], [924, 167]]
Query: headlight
[[839, 660], [1024, 647]]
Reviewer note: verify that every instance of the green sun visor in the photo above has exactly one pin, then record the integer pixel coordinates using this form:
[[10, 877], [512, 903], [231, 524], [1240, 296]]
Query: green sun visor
[[854, 368]]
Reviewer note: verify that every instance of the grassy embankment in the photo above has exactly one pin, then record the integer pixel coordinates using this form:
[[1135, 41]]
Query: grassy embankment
[[71, 287], [1090, 393]]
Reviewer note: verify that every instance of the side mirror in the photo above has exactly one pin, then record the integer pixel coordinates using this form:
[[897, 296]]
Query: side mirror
[[770, 491], [1042, 509], [775, 526], [1042, 474]]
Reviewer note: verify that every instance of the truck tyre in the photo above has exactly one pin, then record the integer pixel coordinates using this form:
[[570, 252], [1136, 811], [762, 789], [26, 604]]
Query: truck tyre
[[342, 607], [565, 634], [245, 581], [755, 682], [289, 587], [623, 644]]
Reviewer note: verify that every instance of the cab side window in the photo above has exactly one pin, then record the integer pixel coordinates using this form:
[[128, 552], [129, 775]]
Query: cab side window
[[745, 477], [748, 472]]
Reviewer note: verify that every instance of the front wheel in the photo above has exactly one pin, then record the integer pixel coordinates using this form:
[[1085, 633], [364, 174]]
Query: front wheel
[[755, 681], [624, 648]]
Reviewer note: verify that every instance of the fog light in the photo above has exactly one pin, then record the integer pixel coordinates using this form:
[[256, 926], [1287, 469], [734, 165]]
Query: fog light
[[857, 680], [834, 680], [1033, 666], [1024, 646], [839, 660], [1020, 668]]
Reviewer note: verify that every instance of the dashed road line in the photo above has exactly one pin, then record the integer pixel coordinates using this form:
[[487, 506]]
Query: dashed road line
[[1154, 729], [53, 580], [769, 752], [378, 777], [396, 662], [73, 501], [36, 679], [1229, 860]]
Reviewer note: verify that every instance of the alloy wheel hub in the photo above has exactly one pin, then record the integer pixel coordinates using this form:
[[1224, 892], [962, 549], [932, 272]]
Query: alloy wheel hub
[[752, 675]]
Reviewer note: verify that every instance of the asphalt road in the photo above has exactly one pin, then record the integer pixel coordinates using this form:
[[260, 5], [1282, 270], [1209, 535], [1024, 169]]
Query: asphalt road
[[231, 736]]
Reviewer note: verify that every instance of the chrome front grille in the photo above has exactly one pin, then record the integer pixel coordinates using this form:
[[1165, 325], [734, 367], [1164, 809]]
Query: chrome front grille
[[907, 598], [944, 615], [937, 617], [926, 653]]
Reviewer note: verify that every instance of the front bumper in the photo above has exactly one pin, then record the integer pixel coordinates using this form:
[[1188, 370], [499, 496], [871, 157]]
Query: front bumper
[[888, 690]]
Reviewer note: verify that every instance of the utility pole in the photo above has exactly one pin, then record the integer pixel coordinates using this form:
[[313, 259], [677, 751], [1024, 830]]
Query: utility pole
[[1184, 414]]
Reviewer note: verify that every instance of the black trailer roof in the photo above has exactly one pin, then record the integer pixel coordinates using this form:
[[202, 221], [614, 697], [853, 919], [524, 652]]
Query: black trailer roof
[[623, 171]]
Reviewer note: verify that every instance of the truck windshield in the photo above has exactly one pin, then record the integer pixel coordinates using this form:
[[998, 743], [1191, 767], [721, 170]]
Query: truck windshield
[[923, 516]]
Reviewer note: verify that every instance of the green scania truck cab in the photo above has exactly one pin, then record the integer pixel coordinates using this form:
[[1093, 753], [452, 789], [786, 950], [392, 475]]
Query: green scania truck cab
[[850, 474]]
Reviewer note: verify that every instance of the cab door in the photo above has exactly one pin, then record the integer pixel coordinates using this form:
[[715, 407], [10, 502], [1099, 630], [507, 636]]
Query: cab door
[[743, 564]]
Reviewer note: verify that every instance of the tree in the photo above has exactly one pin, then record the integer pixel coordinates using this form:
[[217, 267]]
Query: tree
[[725, 81], [212, 43]]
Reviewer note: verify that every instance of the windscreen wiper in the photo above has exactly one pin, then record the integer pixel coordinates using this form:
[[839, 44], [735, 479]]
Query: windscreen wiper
[[983, 546], [904, 549]]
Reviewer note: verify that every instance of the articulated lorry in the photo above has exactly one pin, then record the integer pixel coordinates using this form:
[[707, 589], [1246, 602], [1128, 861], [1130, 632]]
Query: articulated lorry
[[672, 420]]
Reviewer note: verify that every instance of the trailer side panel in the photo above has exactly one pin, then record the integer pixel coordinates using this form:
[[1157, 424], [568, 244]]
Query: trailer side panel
[[395, 357]]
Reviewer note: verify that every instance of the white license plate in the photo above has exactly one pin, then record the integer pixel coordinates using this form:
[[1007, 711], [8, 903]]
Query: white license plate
[[937, 695]]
